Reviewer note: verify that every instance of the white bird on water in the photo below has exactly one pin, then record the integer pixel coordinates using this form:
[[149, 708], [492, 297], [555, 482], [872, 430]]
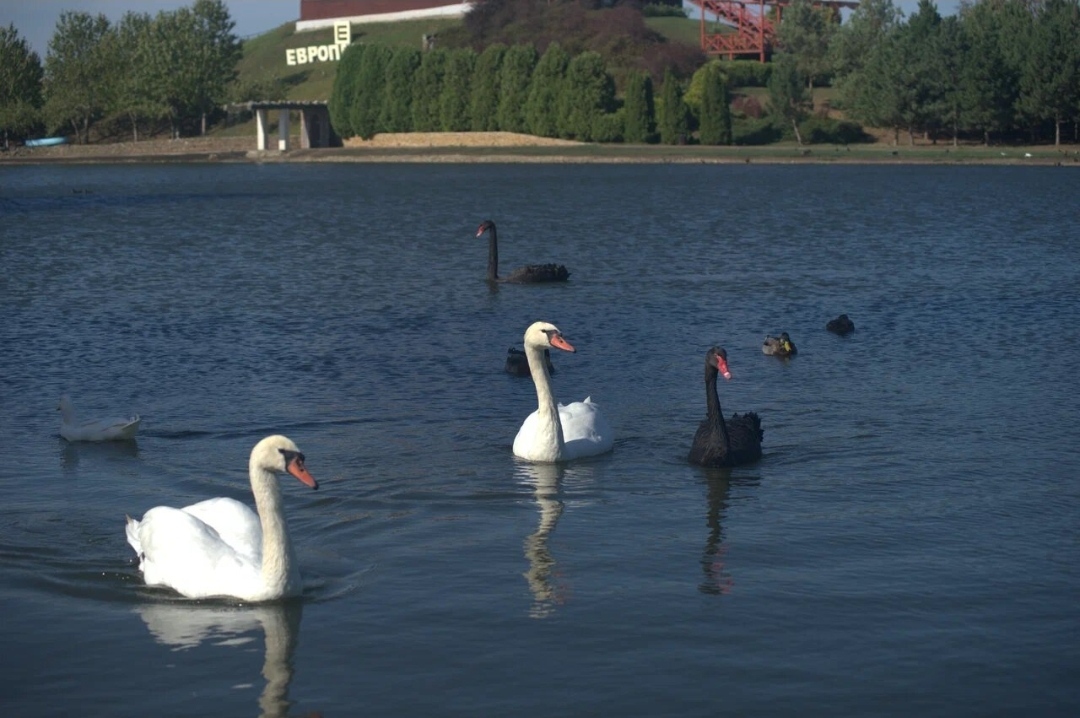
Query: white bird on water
[[72, 429]]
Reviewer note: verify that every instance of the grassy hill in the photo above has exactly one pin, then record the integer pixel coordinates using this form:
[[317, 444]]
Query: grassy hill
[[264, 56]]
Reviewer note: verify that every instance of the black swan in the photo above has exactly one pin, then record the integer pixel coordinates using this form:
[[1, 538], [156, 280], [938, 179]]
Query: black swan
[[841, 325], [780, 346], [530, 273], [517, 362], [718, 442]]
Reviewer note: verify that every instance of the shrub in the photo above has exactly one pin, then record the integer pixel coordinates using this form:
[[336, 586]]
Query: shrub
[[609, 127], [587, 92], [515, 76], [663, 10], [826, 130], [746, 73], [639, 109], [749, 131]]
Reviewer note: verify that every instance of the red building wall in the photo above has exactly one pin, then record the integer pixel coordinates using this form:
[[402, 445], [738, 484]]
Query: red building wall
[[327, 9]]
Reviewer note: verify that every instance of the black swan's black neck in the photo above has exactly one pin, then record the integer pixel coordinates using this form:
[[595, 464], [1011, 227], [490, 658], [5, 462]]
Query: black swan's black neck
[[493, 255], [712, 402]]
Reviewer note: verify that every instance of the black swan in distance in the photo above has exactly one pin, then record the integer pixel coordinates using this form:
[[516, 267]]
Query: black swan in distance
[[529, 274], [780, 346], [517, 362], [718, 442], [841, 325]]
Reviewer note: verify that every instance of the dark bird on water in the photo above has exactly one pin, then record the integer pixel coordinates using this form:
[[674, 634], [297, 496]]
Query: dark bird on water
[[517, 362], [841, 325], [718, 442], [780, 346], [530, 273]]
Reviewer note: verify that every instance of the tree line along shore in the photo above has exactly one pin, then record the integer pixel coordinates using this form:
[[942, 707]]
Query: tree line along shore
[[1000, 72]]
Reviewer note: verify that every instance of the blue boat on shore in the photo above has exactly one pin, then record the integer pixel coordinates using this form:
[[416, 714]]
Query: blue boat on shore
[[47, 142]]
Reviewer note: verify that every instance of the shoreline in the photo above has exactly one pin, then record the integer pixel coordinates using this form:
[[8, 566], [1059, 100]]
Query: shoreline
[[504, 147]]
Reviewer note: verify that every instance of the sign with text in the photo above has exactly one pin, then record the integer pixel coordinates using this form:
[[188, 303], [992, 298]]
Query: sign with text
[[322, 53]]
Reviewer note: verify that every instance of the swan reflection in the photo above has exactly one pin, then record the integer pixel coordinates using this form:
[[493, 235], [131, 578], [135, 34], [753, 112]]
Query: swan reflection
[[72, 453], [717, 580], [546, 480], [183, 625]]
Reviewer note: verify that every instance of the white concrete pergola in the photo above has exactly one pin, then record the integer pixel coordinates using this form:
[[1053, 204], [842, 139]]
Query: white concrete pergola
[[315, 129]]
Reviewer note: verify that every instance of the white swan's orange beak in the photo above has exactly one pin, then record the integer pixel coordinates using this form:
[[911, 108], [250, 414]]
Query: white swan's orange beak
[[296, 468], [721, 365], [558, 342]]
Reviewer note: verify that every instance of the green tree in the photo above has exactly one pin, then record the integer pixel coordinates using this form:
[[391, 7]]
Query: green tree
[[427, 90], [858, 53], [990, 79], [880, 97], [640, 110], [853, 41], [673, 117], [804, 34], [20, 85], [515, 79], [1050, 84], [129, 93], [400, 72], [370, 91], [953, 50], [344, 90], [75, 73], [217, 49], [789, 95], [542, 108], [484, 98], [587, 94], [921, 91], [454, 98], [714, 125], [189, 59]]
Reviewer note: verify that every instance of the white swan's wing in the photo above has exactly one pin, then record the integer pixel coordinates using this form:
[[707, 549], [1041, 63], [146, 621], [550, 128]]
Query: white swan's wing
[[101, 429], [235, 523], [179, 550], [585, 430]]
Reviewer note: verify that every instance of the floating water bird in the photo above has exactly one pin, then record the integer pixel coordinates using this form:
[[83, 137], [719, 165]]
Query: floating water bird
[[718, 442], [780, 346], [842, 325], [517, 363], [529, 274], [220, 547], [72, 429], [555, 432]]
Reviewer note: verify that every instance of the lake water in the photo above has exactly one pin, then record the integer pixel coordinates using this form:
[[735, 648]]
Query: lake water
[[907, 546]]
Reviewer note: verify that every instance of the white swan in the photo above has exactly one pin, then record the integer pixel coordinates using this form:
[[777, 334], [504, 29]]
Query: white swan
[[555, 432], [95, 429], [220, 547]]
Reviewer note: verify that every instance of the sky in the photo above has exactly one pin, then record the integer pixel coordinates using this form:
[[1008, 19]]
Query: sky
[[36, 19]]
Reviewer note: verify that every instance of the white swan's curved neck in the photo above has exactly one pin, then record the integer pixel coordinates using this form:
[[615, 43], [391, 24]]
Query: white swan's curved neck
[[551, 431], [278, 563]]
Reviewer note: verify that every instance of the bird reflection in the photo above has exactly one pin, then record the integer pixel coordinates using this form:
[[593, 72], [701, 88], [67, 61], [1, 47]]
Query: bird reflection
[[185, 625], [546, 480], [72, 453], [717, 580]]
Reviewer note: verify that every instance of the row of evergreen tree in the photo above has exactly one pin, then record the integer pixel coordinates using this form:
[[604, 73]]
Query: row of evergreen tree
[[997, 68], [515, 89], [173, 68]]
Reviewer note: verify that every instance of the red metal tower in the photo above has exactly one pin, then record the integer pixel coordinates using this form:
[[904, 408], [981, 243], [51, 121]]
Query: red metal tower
[[754, 28]]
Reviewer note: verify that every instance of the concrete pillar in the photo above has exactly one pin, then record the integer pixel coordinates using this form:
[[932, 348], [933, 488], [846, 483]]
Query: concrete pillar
[[305, 129], [260, 129], [283, 130]]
